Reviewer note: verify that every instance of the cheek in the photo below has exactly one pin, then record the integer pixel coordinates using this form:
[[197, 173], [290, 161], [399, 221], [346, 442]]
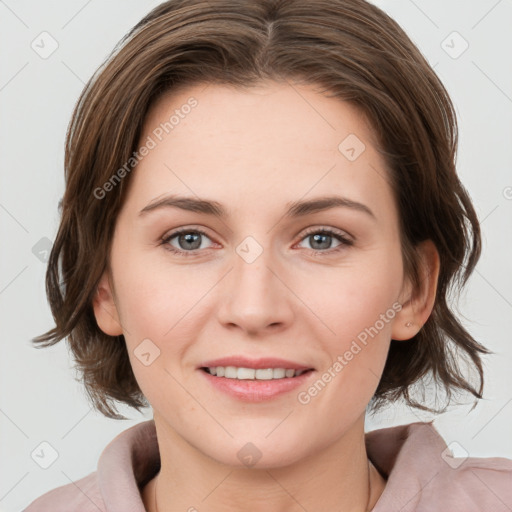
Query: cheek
[[359, 307], [157, 311], [160, 311], [353, 299], [155, 297]]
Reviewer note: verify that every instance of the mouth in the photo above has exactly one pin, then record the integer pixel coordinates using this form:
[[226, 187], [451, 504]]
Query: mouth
[[256, 381], [241, 367], [255, 374]]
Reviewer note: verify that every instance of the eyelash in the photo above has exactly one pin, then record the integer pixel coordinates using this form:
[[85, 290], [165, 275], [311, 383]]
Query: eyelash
[[345, 242]]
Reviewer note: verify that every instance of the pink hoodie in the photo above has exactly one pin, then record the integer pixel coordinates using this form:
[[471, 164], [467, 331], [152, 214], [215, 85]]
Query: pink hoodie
[[421, 474]]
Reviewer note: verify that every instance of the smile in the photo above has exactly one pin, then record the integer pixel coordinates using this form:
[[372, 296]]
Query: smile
[[255, 384], [242, 373]]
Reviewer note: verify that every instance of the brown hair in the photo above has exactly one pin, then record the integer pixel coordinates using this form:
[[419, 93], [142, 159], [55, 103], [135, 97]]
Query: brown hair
[[359, 55]]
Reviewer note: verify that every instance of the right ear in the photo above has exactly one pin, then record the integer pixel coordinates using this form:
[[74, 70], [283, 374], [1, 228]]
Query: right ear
[[105, 309]]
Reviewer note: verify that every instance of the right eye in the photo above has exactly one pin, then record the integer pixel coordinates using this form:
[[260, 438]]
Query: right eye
[[189, 239]]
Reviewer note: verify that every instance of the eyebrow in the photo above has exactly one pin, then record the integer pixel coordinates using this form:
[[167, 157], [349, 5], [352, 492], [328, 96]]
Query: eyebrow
[[295, 208]]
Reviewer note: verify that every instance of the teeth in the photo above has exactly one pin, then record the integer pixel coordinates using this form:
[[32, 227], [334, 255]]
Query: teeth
[[232, 372]]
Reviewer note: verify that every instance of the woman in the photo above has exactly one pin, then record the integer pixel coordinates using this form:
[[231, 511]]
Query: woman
[[261, 222]]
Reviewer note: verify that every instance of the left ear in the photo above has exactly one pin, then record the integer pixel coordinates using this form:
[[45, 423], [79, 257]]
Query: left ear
[[417, 304]]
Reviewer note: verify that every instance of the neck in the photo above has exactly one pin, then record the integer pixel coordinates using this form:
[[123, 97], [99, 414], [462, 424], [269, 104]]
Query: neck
[[340, 477]]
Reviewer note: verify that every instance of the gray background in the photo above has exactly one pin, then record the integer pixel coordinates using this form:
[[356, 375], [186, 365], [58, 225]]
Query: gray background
[[40, 399]]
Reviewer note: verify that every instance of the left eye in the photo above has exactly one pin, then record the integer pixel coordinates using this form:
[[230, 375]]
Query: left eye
[[323, 239]]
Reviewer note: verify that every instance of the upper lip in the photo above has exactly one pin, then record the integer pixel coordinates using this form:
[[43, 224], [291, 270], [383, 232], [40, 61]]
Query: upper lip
[[260, 363]]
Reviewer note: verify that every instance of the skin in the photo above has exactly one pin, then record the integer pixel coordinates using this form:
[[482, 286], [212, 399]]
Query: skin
[[254, 151]]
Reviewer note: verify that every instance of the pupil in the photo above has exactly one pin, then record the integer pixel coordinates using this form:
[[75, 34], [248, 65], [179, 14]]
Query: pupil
[[189, 239], [319, 236]]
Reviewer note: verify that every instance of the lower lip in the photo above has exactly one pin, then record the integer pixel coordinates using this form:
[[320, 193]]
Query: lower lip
[[256, 390]]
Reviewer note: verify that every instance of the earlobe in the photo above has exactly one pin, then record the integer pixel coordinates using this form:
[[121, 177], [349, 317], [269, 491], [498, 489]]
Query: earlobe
[[417, 306], [105, 309]]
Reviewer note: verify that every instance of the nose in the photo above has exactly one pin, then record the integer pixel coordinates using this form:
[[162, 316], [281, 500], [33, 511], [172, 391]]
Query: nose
[[256, 296]]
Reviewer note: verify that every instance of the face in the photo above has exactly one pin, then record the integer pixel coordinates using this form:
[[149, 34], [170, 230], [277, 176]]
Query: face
[[320, 288]]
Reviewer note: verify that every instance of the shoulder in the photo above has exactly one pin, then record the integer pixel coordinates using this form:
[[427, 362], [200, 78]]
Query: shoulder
[[472, 484], [483, 481], [82, 496], [125, 465], [423, 475]]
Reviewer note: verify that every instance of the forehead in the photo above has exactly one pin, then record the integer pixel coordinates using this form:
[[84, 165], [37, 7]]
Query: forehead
[[300, 117], [273, 143]]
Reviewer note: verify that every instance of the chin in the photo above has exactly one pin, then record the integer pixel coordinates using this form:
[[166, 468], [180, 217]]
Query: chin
[[257, 452]]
